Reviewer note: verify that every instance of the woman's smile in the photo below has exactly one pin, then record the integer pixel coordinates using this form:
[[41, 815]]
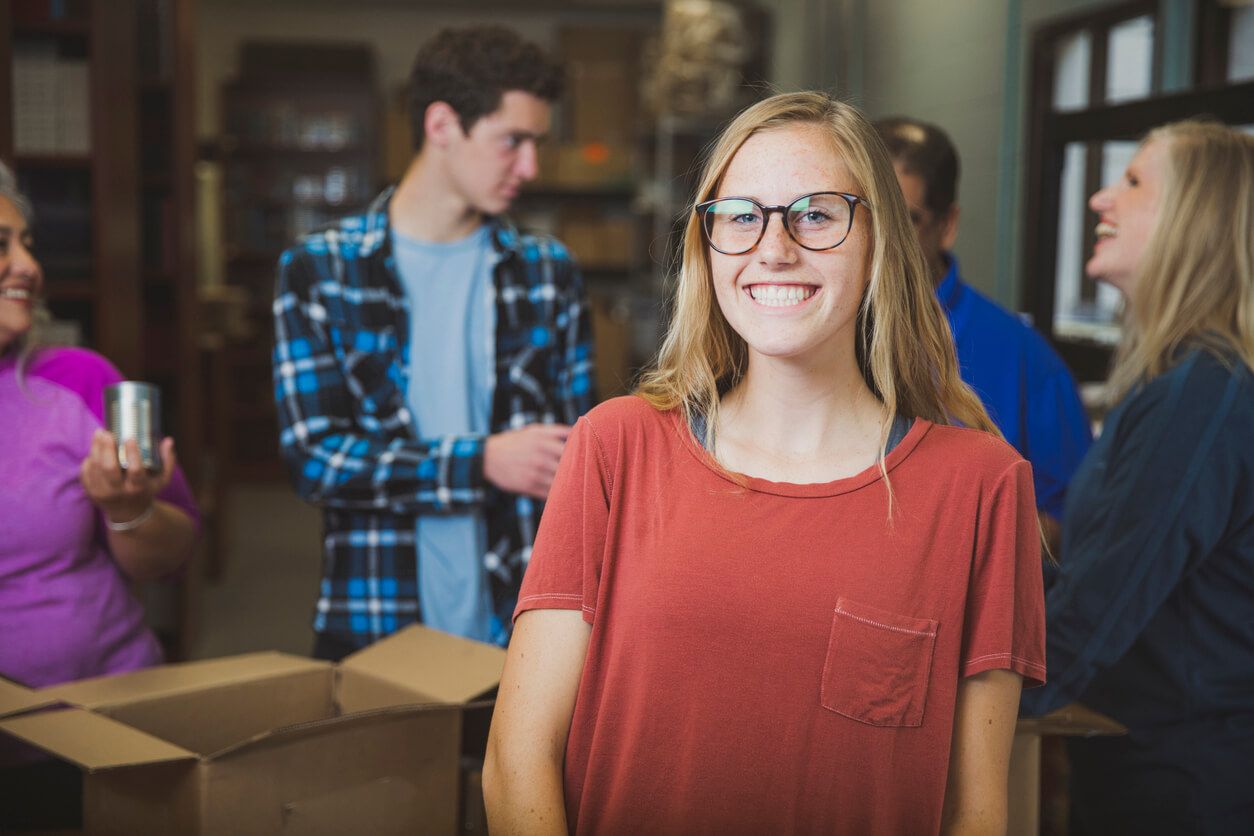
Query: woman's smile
[[779, 295]]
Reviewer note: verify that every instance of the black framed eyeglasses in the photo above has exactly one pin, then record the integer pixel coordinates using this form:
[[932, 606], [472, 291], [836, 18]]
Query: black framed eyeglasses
[[818, 221]]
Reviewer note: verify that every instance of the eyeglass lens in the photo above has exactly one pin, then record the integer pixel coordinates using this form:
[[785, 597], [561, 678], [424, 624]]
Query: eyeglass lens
[[818, 222]]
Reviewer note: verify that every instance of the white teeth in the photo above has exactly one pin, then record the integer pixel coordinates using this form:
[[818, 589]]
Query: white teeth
[[779, 296], [1105, 230], [19, 293]]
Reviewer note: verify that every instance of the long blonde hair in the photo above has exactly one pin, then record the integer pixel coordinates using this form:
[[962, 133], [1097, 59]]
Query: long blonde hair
[[1196, 282], [904, 347]]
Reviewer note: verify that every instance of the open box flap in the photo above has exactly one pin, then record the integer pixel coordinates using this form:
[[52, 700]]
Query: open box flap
[[167, 680], [91, 740], [18, 699], [442, 667], [1074, 720], [295, 731]]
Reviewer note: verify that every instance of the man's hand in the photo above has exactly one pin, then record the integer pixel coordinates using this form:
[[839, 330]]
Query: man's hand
[[525, 460]]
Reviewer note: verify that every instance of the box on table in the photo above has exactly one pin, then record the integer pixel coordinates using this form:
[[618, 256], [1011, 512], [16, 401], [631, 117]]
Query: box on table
[[268, 742], [1073, 720]]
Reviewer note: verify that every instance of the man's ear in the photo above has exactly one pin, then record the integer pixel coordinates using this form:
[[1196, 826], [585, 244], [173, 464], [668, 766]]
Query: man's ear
[[949, 228], [441, 124]]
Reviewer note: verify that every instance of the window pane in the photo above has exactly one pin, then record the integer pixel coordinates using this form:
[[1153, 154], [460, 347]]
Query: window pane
[[1130, 60], [1106, 301], [1241, 44], [1083, 308], [1071, 71], [1071, 212]]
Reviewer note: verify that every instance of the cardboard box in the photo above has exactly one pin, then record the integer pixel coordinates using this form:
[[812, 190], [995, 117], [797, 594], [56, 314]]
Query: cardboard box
[[1025, 758], [268, 742]]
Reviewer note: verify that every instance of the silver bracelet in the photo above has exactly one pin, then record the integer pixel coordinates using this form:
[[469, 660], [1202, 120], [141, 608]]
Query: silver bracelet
[[131, 524]]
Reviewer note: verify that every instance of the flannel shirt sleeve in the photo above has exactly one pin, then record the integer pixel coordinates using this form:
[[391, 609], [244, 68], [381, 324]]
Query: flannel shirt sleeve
[[331, 461], [575, 377]]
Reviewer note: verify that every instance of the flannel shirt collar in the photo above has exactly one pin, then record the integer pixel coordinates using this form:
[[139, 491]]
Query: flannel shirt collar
[[506, 239]]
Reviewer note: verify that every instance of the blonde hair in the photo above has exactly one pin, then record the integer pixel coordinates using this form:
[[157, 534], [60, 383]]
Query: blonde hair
[[1196, 282], [904, 347]]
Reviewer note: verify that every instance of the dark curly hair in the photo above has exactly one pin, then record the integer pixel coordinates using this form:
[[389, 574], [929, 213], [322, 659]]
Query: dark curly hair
[[470, 69], [925, 151]]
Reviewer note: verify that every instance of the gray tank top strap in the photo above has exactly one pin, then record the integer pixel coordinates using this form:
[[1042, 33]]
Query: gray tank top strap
[[901, 426]]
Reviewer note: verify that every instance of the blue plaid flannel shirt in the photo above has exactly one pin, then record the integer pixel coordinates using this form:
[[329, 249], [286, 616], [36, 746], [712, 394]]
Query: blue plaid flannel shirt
[[341, 365]]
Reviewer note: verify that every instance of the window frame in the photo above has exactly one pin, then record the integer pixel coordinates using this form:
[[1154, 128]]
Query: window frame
[[1050, 132]]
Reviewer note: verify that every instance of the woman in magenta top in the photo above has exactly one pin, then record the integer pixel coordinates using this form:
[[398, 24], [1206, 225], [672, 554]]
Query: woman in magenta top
[[75, 529]]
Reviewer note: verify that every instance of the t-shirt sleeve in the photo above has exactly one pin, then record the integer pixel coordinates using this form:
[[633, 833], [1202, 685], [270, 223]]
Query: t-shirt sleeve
[[1004, 624], [565, 567]]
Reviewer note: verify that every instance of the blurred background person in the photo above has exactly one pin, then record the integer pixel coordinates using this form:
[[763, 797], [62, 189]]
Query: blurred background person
[[425, 414], [75, 528], [1149, 619], [1024, 384]]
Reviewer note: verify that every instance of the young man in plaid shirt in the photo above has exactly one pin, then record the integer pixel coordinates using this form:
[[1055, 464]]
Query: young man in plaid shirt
[[429, 360]]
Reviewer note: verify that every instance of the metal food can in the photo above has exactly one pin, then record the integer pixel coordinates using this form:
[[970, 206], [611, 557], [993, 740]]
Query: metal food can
[[133, 411]]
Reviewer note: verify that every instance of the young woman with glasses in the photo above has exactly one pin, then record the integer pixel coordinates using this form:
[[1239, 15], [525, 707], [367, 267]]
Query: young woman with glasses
[[777, 590], [1151, 617]]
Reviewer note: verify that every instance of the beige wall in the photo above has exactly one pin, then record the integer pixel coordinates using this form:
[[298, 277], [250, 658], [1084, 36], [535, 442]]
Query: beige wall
[[395, 30], [944, 62]]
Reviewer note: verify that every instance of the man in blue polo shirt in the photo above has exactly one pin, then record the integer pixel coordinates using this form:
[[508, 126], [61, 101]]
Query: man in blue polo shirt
[[1024, 384]]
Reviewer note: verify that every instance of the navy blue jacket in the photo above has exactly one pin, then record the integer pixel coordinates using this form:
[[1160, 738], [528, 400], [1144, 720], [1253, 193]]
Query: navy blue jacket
[[1151, 617]]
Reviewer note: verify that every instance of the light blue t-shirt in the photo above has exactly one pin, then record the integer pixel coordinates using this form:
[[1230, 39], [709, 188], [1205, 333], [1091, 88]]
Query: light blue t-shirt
[[451, 350]]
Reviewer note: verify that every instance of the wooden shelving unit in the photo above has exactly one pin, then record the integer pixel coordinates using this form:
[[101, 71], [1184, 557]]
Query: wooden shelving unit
[[96, 120], [299, 149]]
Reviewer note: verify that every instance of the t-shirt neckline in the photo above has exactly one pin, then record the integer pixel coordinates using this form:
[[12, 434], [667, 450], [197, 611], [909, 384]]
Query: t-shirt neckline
[[918, 429]]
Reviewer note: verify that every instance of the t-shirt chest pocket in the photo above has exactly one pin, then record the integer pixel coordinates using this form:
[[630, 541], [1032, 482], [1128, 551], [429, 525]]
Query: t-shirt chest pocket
[[878, 665]]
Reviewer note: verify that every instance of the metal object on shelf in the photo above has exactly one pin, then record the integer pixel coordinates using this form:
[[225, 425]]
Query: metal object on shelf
[[696, 71]]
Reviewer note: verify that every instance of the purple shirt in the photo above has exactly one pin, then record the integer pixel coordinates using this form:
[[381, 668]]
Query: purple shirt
[[66, 610]]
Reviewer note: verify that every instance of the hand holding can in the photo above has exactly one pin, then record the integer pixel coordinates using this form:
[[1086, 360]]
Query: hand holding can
[[133, 412]]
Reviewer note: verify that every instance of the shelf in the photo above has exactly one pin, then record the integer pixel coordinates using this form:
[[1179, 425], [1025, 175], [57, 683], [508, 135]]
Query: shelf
[[73, 28], [254, 258], [69, 290], [255, 150], [598, 272], [158, 278], [343, 207], [257, 471], [255, 412], [554, 192], [52, 160]]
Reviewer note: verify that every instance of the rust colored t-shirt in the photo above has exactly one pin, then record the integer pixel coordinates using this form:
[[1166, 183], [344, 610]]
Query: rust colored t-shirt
[[772, 657]]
